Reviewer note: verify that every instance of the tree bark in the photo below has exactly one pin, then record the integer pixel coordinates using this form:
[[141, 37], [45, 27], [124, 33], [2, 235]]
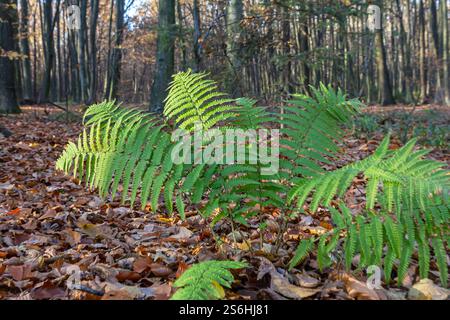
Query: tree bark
[[445, 53], [235, 14], [422, 62], [384, 83], [116, 59], [165, 49], [27, 91], [49, 50], [8, 99], [81, 48], [93, 51], [197, 36]]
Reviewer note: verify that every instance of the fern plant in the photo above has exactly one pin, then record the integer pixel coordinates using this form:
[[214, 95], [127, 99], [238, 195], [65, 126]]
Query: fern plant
[[381, 240], [129, 152], [205, 280]]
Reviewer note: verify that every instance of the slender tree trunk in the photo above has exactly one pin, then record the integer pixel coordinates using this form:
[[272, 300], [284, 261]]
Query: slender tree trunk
[[438, 90], [422, 57], [60, 58], [27, 90], [235, 14], [384, 83], [117, 51], [197, 36], [445, 51], [405, 54], [81, 48], [49, 50], [8, 99], [165, 49], [107, 85], [93, 53]]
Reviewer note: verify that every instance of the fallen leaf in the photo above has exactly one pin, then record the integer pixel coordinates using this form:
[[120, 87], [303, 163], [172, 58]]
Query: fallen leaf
[[306, 281], [357, 289], [160, 270], [183, 234], [13, 212], [47, 291], [425, 289], [281, 285], [128, 275], [50, 213], [21, 272], [141, 264], [72, 237]]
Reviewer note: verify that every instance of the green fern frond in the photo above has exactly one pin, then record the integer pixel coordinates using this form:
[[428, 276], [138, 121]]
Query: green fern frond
[[193, 99], [301, 252], [204, 280]]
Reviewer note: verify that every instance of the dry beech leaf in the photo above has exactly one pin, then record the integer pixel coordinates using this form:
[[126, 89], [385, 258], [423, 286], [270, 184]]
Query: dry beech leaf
[[357, 289], [141, 264]]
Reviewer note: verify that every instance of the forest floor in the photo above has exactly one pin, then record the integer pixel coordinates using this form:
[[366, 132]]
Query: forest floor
[[50, 225]]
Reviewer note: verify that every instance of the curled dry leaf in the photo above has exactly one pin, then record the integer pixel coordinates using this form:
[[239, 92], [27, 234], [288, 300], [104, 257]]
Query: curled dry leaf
[[357, 289]]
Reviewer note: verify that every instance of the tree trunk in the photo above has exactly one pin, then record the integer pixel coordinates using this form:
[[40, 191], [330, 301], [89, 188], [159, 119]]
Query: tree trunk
[[165, 49], [107, 84], [405, 54], [49, 50], [384, 83], [81, 48], [422, 67], [445, 53], [27, 92], [117, 51], [93, 53], [197, 35], [8, 100], [235, 14]]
